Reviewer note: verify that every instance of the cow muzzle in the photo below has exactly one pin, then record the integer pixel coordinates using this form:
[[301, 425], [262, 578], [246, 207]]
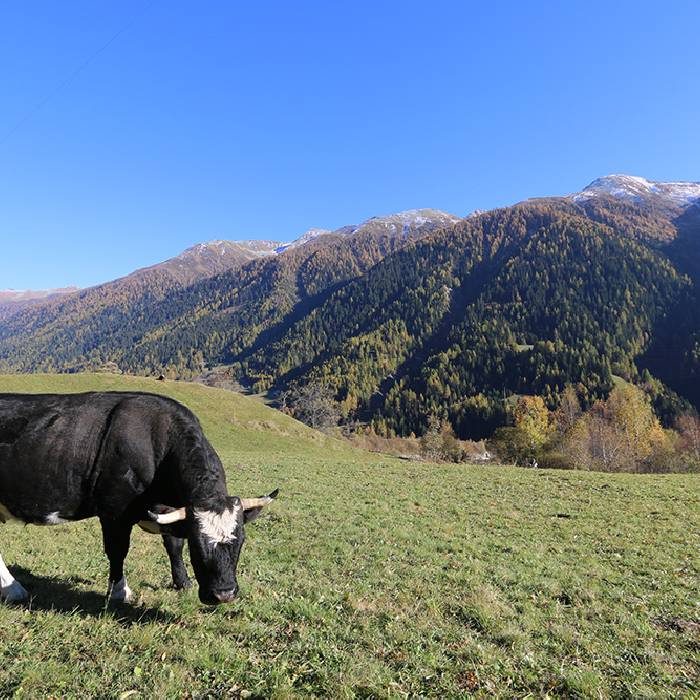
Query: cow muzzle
[[218, 597]]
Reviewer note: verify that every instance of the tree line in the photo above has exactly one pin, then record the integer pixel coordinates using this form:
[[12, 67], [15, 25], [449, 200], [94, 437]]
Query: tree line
[[619, 433]]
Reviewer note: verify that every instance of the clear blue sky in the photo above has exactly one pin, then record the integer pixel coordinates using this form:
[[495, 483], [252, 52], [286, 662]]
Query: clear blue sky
[[205, 120]]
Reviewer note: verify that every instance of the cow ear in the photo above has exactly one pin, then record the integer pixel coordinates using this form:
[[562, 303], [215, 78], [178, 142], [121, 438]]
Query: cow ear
[[251, 514], [252, 507]]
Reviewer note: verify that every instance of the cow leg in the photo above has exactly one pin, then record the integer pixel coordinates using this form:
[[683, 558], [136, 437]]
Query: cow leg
[[116, 536], [174, 546], [11, 590]]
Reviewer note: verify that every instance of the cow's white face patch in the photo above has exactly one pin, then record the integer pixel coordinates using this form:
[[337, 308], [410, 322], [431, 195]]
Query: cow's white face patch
[[218, 528]]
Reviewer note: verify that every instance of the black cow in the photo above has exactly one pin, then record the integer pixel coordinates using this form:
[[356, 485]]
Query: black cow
[[121, 456]]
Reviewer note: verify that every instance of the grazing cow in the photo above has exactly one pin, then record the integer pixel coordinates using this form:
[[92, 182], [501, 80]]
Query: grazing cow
[[120, 456]]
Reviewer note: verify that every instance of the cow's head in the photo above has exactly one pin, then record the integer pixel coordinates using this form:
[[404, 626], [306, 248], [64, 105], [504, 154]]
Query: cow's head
[[215, 536]]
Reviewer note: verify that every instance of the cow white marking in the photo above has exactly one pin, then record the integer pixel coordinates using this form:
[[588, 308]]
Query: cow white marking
[[54, 519], [120, 591], [11, 590], [50, 519], [218, 527]]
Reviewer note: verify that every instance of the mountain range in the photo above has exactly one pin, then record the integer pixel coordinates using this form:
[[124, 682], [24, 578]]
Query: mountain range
[[416, 314], [12, 300]]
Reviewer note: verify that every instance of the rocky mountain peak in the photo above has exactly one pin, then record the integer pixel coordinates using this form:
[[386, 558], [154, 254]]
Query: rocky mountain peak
[[636, 189]]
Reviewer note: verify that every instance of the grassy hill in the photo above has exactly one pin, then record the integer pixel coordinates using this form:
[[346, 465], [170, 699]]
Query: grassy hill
[[372, 577], [238, 425]]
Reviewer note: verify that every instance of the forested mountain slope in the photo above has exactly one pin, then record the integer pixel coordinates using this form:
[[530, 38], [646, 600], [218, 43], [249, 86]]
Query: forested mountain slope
[[81, 323], [209, 302], [13, 301], [521, 300], [422, 314]]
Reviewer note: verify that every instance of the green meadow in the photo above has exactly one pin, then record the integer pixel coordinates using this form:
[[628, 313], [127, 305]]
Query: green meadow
[[372, 577]]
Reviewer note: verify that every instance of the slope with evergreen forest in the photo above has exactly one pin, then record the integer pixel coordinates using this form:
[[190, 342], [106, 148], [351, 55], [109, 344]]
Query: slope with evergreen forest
[[208, 302], [522, 300], [422, 315]]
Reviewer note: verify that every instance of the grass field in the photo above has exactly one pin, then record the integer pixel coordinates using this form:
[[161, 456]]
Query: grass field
[[373, 577]]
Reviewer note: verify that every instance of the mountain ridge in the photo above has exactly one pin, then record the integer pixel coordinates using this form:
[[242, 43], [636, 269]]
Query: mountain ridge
[[15, 295], [411, 316], [636, 188], [618, 186], [91, 322]]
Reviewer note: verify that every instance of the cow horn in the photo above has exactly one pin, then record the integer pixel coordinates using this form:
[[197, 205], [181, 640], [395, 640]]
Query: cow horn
[[168, 518], [250, 503]]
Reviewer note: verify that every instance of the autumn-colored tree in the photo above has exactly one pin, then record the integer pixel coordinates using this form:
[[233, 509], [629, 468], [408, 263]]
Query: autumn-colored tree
[[439, 442], [689, 428], [431, 442], [531, 418], [451, 447], [523, 442], [510, 445], [629, 410], [618, 434], [568, 411], [603, 442]]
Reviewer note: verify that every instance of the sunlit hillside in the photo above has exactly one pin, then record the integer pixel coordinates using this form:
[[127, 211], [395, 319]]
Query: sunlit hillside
[[238, 424], [371, 577]]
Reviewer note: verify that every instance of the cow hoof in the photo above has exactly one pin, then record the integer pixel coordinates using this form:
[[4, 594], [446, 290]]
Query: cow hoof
[[14, 593], [120, 592], [182, 585]]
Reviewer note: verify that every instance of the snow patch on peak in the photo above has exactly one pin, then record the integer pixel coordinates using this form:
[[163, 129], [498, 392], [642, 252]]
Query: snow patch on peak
[[15, 295], [416, 217], [406, 223], [634, 188], [221, 248], [305, 238]]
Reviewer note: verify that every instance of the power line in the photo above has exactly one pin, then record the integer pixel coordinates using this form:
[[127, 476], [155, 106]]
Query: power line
[[71, 77]]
